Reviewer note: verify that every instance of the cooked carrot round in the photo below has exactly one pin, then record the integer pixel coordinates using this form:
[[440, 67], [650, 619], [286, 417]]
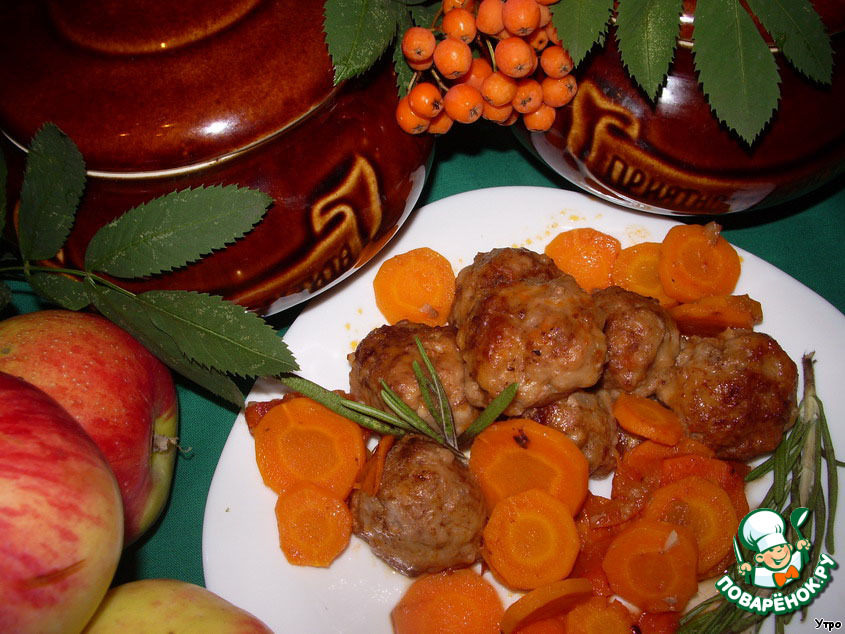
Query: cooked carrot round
[[635, 270], [586, 254], [711, 315], [451, 601], [519, 454], [598, 616], [314, 525], [702, 507], [695, 261], [652, 565], [648, 418], [530, 540], [730, 476], [299, 439], [545, 602], [418, 285]]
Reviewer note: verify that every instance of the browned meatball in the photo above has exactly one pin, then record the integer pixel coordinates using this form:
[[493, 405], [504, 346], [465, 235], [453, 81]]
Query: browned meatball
[[429, 511], [545, 335], [735, 392], [642, 340], [497, 268], [387, 353], [585, 417]]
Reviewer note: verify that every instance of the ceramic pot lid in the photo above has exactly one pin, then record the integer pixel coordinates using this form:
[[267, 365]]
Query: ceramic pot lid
[[148, 85]]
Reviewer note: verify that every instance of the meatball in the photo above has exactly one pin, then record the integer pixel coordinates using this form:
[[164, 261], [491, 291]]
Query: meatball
[[642, 341], [545, 335], [429, 511], [736, 392], [497, 268], [387, 353], [586, 418]]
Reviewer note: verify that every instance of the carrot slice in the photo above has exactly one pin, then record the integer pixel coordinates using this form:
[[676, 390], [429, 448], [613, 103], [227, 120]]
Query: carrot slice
[[635, 270], [696, 261], [711, 315], [530, 540], [450, 601], [418, 285], [255, 411], [702, 507], [664, 623], [652, 565], [299, 439], [730, 476], [586, 254], [545, 602], [369, 479], [648, 418], [598, 616], [551, 625], [314, 525], [520, 454]]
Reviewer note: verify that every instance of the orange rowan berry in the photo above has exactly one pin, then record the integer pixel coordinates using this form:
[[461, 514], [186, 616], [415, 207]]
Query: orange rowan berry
[[425, 100], [558, 92], [463, 103], [479, 70], [448, 5], [418, 43], [546, 2], [541, 119], [503, 34], [538, 39], [409, 120], [489, 17], [521, 17], [425, 64], [556, 61], [554, 38], [459, 24], [496, 113], [440, 124], [498, 89], [514, 116], [452, 57], [514, 57], [545, 15], [529, 96]]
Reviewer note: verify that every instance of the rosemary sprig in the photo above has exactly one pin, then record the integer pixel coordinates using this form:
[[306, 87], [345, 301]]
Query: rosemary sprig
[[797, 482]]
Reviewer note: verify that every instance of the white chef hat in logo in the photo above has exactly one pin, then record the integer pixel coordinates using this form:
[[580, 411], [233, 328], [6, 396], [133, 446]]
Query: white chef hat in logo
[[762, 529]]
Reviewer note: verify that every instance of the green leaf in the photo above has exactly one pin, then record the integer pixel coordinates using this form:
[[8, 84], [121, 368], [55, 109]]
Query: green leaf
[[647, 32], [581, 24], [424, 14], [218, 334], [5, 295], [175, 229], [60, 289], [357, 33], [404, 73], [3, 176], [737, 71], [799, 32], [131, 315], [52, 186]]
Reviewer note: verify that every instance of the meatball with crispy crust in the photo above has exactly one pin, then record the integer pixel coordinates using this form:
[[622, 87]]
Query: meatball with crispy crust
[[387, 354], [736, 392], [586, 418], [494, 268], [545, 335], [428, 513], [642, 341]]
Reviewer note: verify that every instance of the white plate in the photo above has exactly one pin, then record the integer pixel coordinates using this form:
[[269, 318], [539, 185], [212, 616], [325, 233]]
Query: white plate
[[241, 556]]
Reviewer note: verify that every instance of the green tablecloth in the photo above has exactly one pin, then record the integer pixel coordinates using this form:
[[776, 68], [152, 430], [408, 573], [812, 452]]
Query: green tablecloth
[[803, 238]]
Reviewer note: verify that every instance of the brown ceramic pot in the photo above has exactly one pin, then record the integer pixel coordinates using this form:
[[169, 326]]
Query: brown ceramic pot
[[674, 157], [162, 96]]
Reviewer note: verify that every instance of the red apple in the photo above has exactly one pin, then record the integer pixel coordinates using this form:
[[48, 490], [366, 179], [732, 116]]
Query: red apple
[[168, 605], [120, 393], [61, 521]]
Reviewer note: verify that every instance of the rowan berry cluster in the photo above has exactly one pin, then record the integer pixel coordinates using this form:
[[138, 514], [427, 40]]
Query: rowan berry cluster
[[519, 67]]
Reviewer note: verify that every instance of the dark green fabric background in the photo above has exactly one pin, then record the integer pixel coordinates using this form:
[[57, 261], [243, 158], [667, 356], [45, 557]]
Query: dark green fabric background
[[803, 238]]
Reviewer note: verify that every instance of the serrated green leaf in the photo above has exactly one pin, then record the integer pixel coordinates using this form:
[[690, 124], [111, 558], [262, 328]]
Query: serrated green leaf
[[581, 24], [647, 32], [3, 176], [219, 334], [737, 71], [357, 33], [404, 73], [424, 14], [60, 289], [52, 186], [799, 32], [132, 316], [5, 295], [175, 229]]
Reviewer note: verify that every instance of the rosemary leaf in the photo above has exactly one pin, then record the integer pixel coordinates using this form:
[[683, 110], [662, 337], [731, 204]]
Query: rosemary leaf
[[490, 413], [832, 476], [404, 412], [387, 417], [426, 391], [447, 422]]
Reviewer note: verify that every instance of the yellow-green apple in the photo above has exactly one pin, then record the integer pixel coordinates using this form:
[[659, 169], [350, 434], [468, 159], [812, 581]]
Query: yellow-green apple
[[167, 605], [120, 393], [61, 520]]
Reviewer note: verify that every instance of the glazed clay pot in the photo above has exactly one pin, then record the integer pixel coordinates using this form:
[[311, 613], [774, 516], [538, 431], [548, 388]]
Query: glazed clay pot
[[162, 96], [674, 156]]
